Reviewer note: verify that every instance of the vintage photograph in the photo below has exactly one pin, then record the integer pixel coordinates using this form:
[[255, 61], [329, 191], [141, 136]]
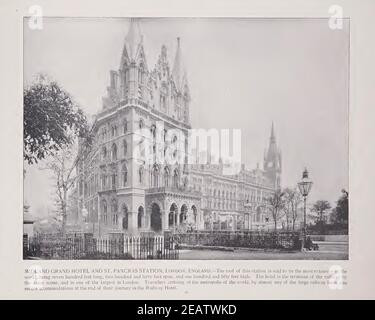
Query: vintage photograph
[[186, 138]]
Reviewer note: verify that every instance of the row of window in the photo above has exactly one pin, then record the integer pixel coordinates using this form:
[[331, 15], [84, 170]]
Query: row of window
[[113, 154], [110, 180], [155, 177], [225, 205], [124, 214], [111, 131]]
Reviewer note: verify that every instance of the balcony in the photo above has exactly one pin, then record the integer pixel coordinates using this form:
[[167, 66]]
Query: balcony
[[173, 190]]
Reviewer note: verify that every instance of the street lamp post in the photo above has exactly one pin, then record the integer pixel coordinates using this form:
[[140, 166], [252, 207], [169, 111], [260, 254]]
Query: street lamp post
[[304, 187]]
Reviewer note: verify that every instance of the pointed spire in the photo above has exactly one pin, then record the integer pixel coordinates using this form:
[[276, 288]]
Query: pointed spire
[[272, 148], [272, 138], [163, 54], [177, 71], [133, 39]]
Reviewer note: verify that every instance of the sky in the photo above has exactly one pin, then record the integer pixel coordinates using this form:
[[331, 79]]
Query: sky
[[243, 74]]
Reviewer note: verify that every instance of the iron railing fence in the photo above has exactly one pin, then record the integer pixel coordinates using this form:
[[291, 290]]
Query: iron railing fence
[[245, 239], [72, 248]]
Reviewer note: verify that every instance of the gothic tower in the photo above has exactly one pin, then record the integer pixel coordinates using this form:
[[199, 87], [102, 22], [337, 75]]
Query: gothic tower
[[131, 139], [272, 161]]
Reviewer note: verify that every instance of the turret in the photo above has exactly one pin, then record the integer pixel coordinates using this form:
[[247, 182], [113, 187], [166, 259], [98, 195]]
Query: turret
[[179, 78]]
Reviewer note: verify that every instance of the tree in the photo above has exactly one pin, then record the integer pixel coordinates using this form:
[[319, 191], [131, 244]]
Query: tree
[[293, 199], [276, 202], [52, 124], [320, 207], [342, 207], [50, 116], [62, 165]]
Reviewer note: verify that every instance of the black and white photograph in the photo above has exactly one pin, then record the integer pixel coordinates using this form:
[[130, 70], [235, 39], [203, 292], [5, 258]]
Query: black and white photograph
[[185, 138]]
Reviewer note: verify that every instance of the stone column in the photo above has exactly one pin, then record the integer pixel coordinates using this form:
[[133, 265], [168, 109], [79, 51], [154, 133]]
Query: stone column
[[133, 222], [147, 220], [165, 220]]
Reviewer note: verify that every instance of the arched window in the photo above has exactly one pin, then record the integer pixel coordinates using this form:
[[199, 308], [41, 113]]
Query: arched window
[[114, 181], [183, 214], [104, 181], [124, 175], [140, 217], [124, 147], [114, 212], [175, 178], [166, 176], [155, 176], [141, 77], [163, 101], [125, 72], [114, 130], [195, 214], [140, 174], [104, 153], [153, 131], [185, 182], [141, 123], [104, 211], [114, 206], [125, 217], [114, 151], [124, 126]]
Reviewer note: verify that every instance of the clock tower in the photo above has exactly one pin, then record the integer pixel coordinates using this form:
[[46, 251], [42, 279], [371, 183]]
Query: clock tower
[[272, 161]]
